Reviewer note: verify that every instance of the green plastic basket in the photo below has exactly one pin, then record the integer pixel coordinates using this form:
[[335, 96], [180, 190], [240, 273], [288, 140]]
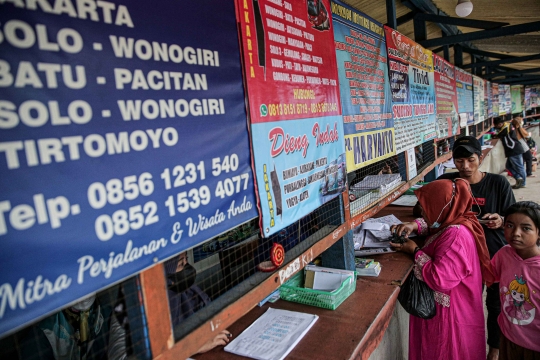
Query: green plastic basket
[[294, 290]]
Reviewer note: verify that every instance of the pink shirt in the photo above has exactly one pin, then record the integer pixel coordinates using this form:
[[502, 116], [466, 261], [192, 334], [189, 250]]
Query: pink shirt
[[520, 297]]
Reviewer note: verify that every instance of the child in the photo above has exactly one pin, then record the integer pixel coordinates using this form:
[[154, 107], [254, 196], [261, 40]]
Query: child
[[517, 268]]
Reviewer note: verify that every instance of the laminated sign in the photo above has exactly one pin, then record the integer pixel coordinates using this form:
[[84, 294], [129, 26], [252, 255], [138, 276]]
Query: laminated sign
[[295, 112], [366, 98], [413, 90], [446, 97], [123, 141]]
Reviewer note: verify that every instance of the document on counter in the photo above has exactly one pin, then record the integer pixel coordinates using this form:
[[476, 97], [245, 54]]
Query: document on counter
[[406, 200], [273, 335]]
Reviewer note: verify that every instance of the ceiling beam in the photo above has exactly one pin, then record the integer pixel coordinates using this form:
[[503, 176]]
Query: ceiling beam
[[531, 82], [512, 60], [405, 18], [484, 34], [485, 53], [391, 14], [518, 79], [478, 24], [512, 73]]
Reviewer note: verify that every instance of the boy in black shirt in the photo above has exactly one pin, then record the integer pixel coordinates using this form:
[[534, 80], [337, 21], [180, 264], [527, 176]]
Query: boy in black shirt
[[492, 195]]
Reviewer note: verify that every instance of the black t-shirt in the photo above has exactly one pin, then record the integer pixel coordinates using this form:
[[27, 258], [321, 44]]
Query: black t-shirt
[[493, 195]]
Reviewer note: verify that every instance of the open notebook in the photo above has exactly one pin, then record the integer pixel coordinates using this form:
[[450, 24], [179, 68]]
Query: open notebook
[[273, 335]]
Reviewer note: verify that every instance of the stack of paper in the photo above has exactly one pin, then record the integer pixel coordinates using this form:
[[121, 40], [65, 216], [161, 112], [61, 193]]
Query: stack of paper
[[373, 269], [273, 335], [381, 183], [325, 279]]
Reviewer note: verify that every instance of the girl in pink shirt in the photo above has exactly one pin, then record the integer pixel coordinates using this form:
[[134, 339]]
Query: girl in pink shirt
[[517, 269]]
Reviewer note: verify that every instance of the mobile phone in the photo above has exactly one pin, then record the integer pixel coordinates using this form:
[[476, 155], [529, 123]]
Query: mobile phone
[[484, 221]]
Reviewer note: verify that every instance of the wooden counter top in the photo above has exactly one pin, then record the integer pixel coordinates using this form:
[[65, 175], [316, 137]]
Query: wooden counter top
[[356, 327]]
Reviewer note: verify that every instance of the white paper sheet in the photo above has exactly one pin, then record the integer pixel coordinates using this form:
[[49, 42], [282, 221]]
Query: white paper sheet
[[406, 200], [273, 335]]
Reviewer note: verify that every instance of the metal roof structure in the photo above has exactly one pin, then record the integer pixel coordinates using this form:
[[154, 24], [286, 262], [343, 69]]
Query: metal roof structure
[[499, 40]]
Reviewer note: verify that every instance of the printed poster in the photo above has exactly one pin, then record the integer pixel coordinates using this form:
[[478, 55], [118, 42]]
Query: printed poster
[[507, 99], [446, 97], [478, 96], [295, 111], [531, 97], [488, 106], [123, 141], [515, 93], [366, 100], [464, 87], [495, 99], [413, 91], [502, 98], [534, 96], [489, 98]]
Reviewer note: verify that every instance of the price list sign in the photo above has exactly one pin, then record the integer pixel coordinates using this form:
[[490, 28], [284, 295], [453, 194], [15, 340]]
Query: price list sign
[[495, 98], [464, 88], [295, 112], [366, 98], [123, 141], [478, 99], [413, 91], [446, 97]]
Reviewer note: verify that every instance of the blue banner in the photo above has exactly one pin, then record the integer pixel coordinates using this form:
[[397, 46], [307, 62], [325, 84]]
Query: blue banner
[[464, 87], [299, 168], [413, 91], [366, 99], [123, 141]]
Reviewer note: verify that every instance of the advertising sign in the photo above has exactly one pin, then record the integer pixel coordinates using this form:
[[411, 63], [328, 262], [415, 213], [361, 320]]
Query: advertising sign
[[366, 100], [446, 97], [489, 98], [502, 98], [478, 95], [495, 99], [413, 91], [464, 87], [295, 111], [517, 103], [507, 99], [123, 141]]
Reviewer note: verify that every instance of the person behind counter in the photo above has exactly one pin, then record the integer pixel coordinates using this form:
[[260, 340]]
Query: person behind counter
[[523, 135], [453, 262], [492, 194], [186, 298], [513, 150]]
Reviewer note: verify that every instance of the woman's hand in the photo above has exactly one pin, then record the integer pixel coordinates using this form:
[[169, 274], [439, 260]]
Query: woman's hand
[[404, 229], [407, 247], [219, 340]]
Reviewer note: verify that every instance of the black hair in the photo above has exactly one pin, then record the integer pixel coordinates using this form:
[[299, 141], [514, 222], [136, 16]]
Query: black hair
[[527, 208], [461, 153], [498, 120]]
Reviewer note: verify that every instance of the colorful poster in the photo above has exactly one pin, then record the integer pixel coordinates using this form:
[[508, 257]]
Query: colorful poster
[[366, 100], [295, 112], [517, 103], [123, 141], [503, 90], [534, 97], [495, 99], [488, 105], [464, 88], [527, 100], [413, 91], [507, 99], [478, 99], [446, 97]]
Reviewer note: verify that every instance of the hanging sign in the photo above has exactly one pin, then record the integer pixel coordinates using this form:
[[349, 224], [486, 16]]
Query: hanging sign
[[366, 99], [446, 97], [464, 87], [478, 94], [413, 91], [517, 103], [295, 110], [123, 141]]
